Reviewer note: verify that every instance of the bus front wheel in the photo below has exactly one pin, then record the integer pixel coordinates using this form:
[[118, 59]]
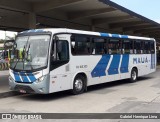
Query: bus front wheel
[[78, 85], [134, 75]]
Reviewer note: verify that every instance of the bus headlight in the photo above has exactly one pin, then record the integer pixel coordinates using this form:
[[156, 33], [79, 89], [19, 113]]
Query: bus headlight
[[40, 79]]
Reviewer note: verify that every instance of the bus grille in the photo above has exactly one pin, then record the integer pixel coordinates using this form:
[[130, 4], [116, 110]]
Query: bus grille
[[25, 88]]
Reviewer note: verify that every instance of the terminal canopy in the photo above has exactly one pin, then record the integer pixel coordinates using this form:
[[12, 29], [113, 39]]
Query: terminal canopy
[[94, 15]]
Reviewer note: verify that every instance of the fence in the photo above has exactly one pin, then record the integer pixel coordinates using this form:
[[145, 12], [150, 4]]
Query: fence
[[4, 65]]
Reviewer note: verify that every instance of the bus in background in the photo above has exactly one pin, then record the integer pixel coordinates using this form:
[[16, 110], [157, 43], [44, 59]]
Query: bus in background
[[50, 60], [5, 53]]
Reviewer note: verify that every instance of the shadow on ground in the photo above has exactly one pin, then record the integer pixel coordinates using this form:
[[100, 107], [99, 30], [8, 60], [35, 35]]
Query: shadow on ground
[[95, 88]]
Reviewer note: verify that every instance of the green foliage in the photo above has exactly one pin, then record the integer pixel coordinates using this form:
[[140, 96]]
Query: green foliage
[[1, 48]]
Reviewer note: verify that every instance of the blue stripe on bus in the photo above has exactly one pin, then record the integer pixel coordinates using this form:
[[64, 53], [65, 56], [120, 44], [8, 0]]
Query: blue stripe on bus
[[36, 30], [31, 30], [113, 69], [31, 77], [116, 35], [24, 77], [16, 76], [124, 36], [100, 68], [104, 34], [124, 63], [24, 31], [39, 30]]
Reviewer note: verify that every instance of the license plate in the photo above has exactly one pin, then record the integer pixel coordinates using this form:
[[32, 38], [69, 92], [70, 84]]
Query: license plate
[[22, 91]]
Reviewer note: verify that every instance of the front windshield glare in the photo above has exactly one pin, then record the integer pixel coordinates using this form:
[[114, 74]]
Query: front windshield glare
[[30, 52]]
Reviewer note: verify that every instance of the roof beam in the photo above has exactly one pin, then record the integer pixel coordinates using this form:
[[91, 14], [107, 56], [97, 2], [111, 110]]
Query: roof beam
[[154, 36], [152, 32], [15, 5], [13, 22], [52, 4], [88, 13], [125, 24], [146, 30], [110, 19], [138, 27]]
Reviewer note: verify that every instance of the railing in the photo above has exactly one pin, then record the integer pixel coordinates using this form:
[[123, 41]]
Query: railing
[[4, 65]]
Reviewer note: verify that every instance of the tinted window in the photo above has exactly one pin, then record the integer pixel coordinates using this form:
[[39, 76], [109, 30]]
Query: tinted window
[[99, 46], [152, 47], [80, 45], [127, 47], [62, 50], [138, 47], [146, 47], [114, 46]]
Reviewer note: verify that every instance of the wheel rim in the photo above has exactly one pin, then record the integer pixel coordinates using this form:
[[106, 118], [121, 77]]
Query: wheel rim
[[78, 84], [134, 75]]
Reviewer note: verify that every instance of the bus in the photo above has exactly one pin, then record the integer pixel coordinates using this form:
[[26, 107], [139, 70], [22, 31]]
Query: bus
[[5, 53], [45, 61]]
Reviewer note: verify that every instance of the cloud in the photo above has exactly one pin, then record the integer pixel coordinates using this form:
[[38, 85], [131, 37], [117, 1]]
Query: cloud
[[157, 20]]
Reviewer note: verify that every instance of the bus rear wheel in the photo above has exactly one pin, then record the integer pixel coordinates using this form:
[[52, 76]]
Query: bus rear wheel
[[134, 75], [78, 85]]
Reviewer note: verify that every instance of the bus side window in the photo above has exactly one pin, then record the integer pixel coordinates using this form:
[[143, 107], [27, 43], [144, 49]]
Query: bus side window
[[152, 47], [137, 47], [131, 46], [146, 47], [126, 47], [98, 46], [62, 50], [142, 47], [52, 51], [114, 46], [80, 45], [73, 43]]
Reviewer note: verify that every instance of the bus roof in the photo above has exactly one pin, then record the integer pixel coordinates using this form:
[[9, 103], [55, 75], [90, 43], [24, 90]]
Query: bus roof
[[65, 30]]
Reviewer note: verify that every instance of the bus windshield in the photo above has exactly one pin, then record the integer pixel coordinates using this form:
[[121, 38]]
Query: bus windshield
[[30, 52]]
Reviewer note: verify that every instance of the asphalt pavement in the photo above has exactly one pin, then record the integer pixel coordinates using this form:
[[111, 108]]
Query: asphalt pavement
[[4, 81], [142, 96]]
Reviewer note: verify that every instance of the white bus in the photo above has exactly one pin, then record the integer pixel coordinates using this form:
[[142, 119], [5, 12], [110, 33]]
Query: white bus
[[50, 60]]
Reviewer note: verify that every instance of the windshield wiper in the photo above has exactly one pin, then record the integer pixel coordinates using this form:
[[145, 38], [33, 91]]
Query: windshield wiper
[[23, 55], [27, 56], [19, 58]]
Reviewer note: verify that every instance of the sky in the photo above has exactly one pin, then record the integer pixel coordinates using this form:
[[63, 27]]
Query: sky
[[146, 8]]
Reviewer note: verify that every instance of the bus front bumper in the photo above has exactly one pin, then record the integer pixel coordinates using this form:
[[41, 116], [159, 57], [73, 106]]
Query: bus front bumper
[[35, 87]]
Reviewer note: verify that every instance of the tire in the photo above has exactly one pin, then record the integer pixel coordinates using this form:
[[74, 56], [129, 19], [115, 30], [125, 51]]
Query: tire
[[134, 75], [79, 85]]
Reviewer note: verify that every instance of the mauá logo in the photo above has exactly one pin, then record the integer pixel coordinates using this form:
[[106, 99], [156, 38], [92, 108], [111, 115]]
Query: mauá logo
[[140, 60]]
